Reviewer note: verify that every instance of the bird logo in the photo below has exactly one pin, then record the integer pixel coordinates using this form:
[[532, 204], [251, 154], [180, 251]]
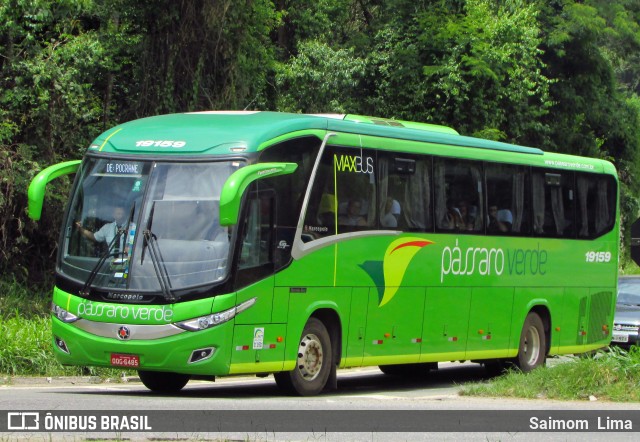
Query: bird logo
[[397, 258]]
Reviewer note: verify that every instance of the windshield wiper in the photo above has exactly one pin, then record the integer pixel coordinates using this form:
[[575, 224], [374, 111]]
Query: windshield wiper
[[101, 261], [159, 267], [94, 272]]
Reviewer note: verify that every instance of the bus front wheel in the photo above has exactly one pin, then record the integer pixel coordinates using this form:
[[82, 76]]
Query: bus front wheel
[[532, 350], [313, 362], [163, 382]]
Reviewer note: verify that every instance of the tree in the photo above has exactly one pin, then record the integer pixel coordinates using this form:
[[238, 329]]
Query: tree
[[476, 67]]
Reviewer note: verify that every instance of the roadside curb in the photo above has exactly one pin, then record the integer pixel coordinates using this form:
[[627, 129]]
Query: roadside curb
[[64, 380]]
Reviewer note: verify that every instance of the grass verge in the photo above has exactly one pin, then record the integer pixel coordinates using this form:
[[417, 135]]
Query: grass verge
[[26, 350], [613, 375], [26, 343]]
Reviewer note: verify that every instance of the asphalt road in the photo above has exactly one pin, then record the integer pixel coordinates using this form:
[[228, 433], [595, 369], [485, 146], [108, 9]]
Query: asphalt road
[[358, 389]]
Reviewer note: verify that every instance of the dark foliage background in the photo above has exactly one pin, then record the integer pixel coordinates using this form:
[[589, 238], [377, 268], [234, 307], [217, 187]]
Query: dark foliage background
[[563, 75]]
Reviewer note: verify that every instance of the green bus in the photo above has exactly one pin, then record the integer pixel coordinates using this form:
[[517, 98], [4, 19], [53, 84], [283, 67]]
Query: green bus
[[209, 244]]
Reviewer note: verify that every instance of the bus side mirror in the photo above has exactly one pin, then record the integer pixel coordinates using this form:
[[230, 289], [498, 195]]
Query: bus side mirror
[[39, 183], [236, 184]]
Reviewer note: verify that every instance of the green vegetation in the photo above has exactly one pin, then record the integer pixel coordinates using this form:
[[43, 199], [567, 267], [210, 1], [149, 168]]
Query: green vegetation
[[561, 75], [25, 347], [610, 376], [25, 350]]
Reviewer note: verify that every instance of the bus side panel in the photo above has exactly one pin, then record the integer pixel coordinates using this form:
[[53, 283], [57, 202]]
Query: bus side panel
[[354, 343], [574, 321], [257, 348], [600, 315], [394, 330], [280, 312], [490, 322], [260, 312], [446, 324]]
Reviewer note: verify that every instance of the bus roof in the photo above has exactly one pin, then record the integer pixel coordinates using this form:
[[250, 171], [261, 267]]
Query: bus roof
[[216, 133]]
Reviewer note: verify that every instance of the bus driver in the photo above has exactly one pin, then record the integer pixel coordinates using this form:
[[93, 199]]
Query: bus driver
[[108, 231]]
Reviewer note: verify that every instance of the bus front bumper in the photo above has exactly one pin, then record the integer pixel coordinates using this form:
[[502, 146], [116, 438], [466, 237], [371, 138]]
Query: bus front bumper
[[205, 352]]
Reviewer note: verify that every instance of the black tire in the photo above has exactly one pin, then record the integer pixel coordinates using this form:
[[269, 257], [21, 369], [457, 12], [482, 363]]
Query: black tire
[[532, 350], [313, 364], [409, 370], [162, 381]]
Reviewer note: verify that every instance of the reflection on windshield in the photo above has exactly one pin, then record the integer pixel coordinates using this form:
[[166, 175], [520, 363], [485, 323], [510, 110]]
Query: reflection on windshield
[[629, 291], [109, 198]]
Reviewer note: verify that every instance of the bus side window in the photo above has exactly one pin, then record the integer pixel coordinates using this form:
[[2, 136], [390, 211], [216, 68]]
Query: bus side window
[[459, 201], [344, 190], [507, 199], [256, 238], [290, 190], [596, 204], [553, 203], [404, 192]]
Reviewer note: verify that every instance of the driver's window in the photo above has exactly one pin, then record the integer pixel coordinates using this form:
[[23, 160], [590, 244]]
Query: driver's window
[[256, 246]]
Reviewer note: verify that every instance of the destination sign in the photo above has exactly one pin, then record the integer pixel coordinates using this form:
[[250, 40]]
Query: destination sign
[[123, 168]]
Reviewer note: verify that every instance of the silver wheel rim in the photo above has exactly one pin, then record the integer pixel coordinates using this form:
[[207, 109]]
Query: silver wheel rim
[[310, 357], [531, 347]]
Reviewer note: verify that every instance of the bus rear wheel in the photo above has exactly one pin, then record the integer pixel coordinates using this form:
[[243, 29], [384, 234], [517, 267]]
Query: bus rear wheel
[[162, 381], [313, 362], [532, 350]]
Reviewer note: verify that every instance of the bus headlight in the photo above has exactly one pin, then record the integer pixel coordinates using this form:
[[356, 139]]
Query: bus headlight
[[208, 321], [62, 314]]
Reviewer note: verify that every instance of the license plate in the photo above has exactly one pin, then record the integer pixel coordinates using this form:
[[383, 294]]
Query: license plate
[[121, 360], [620, 337]]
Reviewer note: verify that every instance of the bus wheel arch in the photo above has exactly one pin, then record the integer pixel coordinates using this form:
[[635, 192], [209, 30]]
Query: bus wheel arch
[[545, 315], [533, 341], [331, 321], [316, 358]]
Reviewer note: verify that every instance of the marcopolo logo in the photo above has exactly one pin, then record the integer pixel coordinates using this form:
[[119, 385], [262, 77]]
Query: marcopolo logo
[[123, 333]]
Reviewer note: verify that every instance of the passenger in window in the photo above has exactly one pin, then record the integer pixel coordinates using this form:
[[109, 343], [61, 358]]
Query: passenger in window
[[452, 218], [353, 216], [391, 212], [460, 216], [500, 221], [327, 210], [467, 215]]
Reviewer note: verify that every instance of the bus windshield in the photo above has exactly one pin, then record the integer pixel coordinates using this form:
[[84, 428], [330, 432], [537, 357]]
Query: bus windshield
[[138, 224]]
